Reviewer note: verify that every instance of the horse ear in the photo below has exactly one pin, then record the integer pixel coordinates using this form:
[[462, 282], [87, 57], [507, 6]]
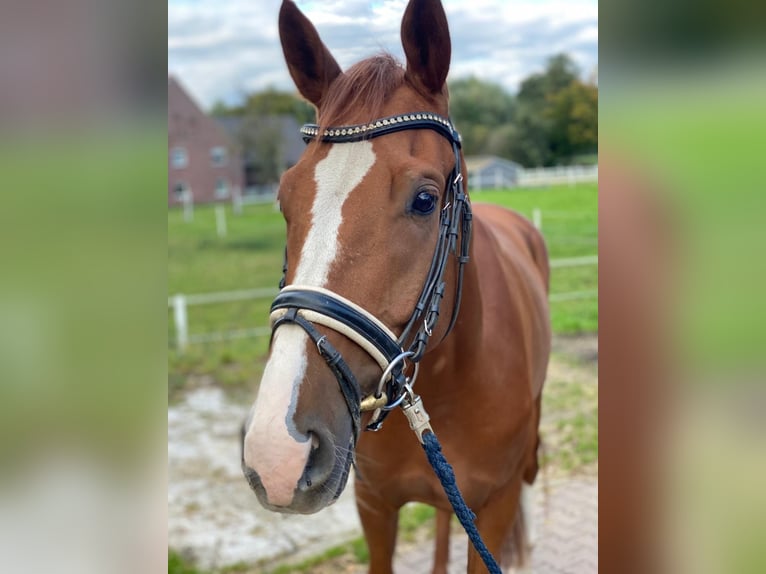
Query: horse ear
[[425, 36], [310, 63]]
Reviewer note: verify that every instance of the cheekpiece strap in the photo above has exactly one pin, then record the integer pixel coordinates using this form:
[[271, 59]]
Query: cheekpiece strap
[[383, 126]]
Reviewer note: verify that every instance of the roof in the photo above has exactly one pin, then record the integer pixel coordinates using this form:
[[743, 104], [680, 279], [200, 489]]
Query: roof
[[185, 117], [477, 163]]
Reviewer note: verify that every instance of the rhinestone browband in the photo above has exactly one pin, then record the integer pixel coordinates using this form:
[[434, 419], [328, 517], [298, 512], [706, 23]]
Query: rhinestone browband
[[382, 126]]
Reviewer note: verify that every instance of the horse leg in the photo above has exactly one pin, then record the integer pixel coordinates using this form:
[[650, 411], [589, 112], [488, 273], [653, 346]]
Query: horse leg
[[379, 523], [527, 504], [441, 554], [528, 486], [496, 522], [524, 535]]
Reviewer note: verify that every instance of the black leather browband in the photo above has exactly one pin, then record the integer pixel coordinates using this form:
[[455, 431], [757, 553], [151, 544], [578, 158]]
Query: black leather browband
[[383, 126]]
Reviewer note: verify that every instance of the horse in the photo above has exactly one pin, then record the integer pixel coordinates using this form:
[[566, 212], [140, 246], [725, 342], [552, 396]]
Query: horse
[[381, 241]]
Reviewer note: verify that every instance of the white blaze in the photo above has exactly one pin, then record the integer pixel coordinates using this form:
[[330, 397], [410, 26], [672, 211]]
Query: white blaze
[[274, 448], [336, 176]]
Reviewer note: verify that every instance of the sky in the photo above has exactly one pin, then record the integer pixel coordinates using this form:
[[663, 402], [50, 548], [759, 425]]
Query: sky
[[223, 49]]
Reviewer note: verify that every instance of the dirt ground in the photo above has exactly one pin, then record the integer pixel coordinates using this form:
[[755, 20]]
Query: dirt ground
[[581, 351], [215, 521]]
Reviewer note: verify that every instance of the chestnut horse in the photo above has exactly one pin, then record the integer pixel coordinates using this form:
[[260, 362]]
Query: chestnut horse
[[369, 209]]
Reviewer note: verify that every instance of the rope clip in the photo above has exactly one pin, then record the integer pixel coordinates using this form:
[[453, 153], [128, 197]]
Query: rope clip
[[416, 415]]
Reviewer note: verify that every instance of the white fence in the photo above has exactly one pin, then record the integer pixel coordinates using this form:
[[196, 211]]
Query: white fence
[[570, 174], [180, 303]]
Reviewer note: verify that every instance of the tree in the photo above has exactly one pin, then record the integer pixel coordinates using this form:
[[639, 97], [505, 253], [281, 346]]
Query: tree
[[550, 119], [478, 108], [536, 90], [273, 102], [219, 108], [573, 113], [530, 145], [261, 140], [260, 133], [557, 115]]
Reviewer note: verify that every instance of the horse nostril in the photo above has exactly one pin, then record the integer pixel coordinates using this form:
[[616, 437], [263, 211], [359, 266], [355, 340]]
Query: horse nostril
[[310, 462], [318, 463]]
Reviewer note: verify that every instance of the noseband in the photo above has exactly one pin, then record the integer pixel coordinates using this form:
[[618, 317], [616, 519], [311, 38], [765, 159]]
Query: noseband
[[307, 306]]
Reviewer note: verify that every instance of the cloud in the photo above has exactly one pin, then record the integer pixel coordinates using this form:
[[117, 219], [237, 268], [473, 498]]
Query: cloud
[[220, 50]]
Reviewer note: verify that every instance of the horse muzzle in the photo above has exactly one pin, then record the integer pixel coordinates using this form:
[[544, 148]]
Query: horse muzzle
[[302, 478]]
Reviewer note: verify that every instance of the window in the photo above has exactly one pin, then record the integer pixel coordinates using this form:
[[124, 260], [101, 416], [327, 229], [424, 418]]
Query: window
[[221, 188], [218, 156], [179, 190], [178, 157]]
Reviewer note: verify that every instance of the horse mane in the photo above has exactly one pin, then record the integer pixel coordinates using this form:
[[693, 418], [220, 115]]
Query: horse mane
[[366, 86]]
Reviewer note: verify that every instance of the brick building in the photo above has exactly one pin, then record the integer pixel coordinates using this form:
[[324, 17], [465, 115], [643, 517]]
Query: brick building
[[203, 160]]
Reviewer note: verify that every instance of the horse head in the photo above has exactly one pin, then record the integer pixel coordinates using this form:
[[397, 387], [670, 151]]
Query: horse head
[[363, 219]]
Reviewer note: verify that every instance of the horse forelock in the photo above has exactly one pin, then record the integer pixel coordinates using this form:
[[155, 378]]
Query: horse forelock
[[363, 90]]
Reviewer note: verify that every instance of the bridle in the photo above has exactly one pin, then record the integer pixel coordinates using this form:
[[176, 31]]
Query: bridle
[[307, 306]]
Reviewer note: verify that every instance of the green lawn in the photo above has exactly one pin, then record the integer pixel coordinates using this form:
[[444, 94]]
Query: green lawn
[[250, 256]]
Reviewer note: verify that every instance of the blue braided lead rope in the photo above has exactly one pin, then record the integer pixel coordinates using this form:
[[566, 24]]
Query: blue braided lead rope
[[465, 515]]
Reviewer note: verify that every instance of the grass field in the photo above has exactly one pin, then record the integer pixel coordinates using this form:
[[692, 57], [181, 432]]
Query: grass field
[[250, 256]]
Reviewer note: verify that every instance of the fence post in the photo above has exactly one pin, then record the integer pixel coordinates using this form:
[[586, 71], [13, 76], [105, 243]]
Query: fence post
[[188, 200], [537, 218], [182, 326], [236, 200], [220, 220]]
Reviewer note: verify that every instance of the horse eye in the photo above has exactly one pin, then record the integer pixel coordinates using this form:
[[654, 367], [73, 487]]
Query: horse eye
[[424, 203]]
